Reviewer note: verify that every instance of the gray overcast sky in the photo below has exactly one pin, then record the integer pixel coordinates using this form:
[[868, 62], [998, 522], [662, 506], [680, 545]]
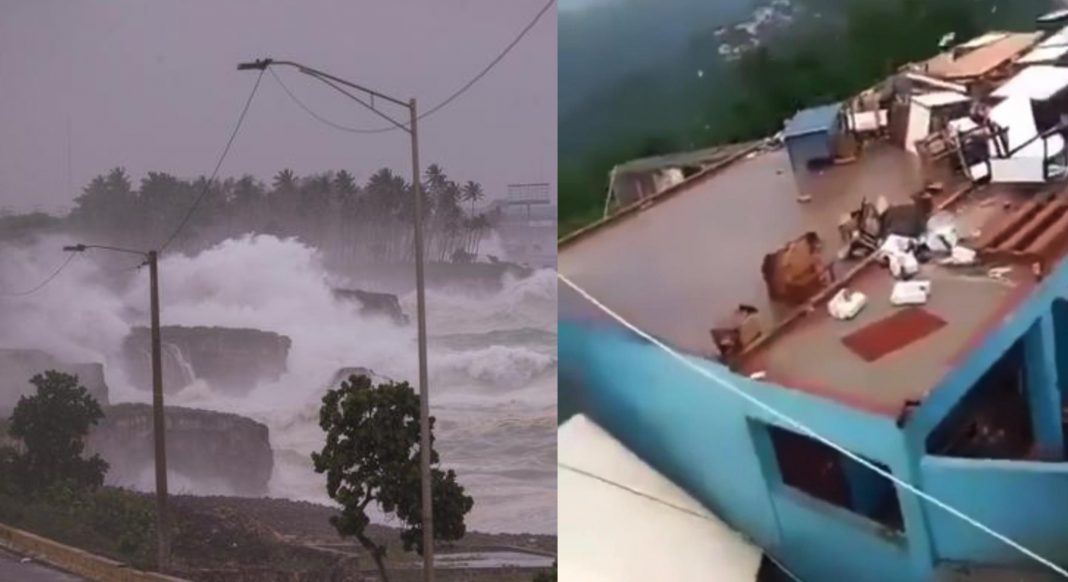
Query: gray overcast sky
[[153, 86]]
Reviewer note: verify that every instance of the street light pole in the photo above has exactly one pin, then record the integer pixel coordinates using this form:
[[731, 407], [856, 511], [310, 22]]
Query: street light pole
[[420, 295], [163, 549], [424, 394]]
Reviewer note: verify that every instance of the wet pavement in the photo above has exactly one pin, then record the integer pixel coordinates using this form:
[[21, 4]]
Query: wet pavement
[[14, 569], [679, 266]]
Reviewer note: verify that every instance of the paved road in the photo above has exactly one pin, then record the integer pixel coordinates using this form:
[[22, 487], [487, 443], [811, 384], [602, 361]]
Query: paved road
[[11, 568]]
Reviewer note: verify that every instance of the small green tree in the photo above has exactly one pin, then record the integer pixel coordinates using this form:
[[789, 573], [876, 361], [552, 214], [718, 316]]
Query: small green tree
[[52, 426], [549, 576], [371, 455]]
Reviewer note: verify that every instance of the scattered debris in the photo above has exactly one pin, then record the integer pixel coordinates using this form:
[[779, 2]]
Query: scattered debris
[[898, 252], [846, 304], [999, 272], [960, 257], [736, 332], [941, 235], [910, 292]]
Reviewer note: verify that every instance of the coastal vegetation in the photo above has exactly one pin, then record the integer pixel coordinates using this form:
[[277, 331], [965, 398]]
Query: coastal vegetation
[[371, 458], [346, 220]]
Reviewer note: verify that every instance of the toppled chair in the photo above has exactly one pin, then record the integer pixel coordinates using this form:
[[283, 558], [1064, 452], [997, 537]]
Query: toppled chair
[[861, 231], [737, 332], [1017, 152], [797, 272]]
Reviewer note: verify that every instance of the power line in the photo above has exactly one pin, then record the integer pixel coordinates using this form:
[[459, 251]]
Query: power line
[[320, 118], [47, 280], [218, 164], [439, 106], [664, 502], [813, 434]]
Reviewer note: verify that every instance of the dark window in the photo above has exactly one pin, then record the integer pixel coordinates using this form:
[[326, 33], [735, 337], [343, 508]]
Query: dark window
[[993, 420], [826, 474]]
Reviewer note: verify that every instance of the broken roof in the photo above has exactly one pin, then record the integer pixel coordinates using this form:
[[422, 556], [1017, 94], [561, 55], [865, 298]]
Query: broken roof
[[677, 267], [697, 158], [984, 59]]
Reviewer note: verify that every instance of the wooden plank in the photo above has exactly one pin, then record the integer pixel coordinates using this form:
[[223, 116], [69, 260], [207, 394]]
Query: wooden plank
[[1034, 227], [1005, 224], [1051, 240]]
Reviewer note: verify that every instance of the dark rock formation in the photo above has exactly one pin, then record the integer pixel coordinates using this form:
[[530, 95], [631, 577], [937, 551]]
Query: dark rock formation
[[230, 359], [372, 303], [212, 448], [18, 366]]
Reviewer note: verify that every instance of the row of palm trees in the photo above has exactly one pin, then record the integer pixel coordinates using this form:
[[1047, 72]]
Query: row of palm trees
[[347, 221]]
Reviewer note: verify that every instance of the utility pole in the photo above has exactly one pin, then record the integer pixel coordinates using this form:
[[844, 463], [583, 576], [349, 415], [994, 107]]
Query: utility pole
[[163, 548], [420, 295], [424, 394]]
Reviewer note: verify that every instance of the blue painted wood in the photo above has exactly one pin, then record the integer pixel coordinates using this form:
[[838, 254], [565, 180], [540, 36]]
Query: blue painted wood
[[713, 444]]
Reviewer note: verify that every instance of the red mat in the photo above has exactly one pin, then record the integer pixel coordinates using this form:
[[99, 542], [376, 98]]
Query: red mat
[[892, 333]]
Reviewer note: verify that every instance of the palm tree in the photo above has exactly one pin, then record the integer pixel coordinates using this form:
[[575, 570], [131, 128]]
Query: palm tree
[[472, 192]]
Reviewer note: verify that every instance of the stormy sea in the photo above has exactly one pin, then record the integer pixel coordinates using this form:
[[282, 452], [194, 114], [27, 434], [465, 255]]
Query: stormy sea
[[492, 359]]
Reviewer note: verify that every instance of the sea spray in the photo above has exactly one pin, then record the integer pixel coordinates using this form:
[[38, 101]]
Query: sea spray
[[492, 358]]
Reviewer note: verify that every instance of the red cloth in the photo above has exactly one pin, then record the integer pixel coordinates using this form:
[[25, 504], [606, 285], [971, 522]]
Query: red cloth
[[892, 333]]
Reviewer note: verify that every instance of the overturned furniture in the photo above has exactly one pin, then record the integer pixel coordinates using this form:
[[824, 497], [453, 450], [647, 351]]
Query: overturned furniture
[[863, 230], [734, 334], [797, 272]]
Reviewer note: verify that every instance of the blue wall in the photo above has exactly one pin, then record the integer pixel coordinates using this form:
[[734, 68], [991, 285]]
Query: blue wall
[[708, 440], [1026, 501], [803, 149]]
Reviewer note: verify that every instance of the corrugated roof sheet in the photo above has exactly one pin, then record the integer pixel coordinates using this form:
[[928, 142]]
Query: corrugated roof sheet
[[1038, 82], [1059, 38], [984, 40], [1044, 54], [812, 120], [700, 157]]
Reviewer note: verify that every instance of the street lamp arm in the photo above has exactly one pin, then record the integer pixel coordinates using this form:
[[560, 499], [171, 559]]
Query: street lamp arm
[[262, 64], [322, 75], [367, 105], [78, 248], [333, 82]]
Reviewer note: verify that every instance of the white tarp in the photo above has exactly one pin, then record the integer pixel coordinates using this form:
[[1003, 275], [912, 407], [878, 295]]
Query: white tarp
[[607, 534]]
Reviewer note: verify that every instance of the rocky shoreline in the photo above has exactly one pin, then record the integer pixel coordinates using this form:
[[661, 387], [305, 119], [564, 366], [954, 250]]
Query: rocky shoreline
[[304, 529]]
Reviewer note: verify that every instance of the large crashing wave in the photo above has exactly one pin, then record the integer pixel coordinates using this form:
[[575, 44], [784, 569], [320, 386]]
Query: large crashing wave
[[493, 392]]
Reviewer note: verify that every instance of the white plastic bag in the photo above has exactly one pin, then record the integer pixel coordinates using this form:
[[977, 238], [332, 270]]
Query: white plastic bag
[[903, 265], [846, 304], [910, 292]]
